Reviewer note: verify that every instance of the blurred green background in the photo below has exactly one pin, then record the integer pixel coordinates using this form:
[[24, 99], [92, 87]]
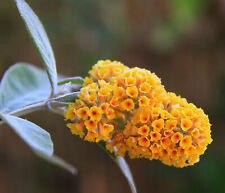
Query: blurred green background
[[182, 41]]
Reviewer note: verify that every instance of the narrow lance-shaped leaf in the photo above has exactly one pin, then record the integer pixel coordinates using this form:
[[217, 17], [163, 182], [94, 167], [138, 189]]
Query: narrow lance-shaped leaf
[[38, 139], [40, 38], [59, 162], [72, 80], [121, 162], [66, 98], [21, 85]]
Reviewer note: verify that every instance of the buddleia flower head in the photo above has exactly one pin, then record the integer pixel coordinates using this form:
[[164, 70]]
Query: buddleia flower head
[[129, 109]]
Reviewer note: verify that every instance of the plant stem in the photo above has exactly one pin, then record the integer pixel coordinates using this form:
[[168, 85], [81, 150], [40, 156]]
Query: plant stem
[[55, 107], [29, 109]]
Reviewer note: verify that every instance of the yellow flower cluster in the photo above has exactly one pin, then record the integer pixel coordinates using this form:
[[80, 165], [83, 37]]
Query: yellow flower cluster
[[130, 110]]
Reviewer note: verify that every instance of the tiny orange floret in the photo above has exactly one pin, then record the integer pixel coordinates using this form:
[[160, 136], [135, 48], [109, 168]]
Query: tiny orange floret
[[121, 149], [102, 83], [130, 81], [82, 113], [165, 114], [156, 148], [155, 136], [116, 71], [110, 147], [87, 81], [186, 142], [143, 141], [92, 98], [127, 104], [143, 130], [173, 154], [104, 92], [186, 124], [114, 102], [181, 151], [190, 150], [132, 91], [90, 125], [153, 79], [79, 103], [175, 113], [176, 137], [95, 113], [119, 137], [165, 142], [143, 101], [165, 153], [188, 113], [130, 129], [144, 117], [168, 133], [155, 112], [91, 136], [77, 128], [93, 87], [104, 107], [119, 92], [70, 114], [158, 125], [131, 142], [195, 133], [107, 128], [103, 73], [110, 113], [171, 124], [145, 87]]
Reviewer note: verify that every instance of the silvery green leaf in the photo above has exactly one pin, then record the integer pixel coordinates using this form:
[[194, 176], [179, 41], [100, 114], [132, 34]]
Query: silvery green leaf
[[21, 85], [40, 39], [34, 136], [38, 139], [121, 162], [58, 162], [67, 98]]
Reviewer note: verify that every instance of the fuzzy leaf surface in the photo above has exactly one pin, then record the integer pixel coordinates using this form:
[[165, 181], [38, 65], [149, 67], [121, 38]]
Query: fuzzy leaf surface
[[23, 84], [40, 39]]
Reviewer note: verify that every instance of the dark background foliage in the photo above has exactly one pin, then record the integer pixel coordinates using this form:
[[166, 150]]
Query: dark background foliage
[[182, 41]]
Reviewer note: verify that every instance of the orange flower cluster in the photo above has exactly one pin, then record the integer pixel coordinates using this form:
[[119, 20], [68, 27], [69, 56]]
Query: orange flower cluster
[[130, 110]]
